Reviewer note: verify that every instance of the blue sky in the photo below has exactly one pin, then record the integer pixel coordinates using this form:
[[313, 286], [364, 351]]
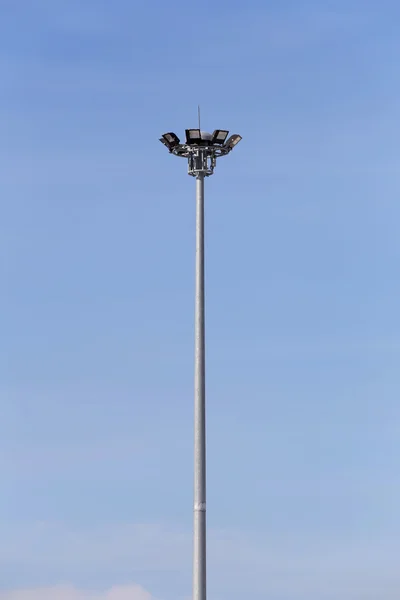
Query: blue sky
[[96, 260]]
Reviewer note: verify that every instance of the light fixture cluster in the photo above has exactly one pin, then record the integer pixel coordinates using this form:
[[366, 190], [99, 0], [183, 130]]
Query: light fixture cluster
[[196, 138]]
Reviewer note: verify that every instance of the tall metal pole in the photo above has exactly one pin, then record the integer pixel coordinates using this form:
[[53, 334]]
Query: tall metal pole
[[199, 541], [201, 150]]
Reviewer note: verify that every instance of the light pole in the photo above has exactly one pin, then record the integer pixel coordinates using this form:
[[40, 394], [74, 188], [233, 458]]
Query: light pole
[[201, 150]]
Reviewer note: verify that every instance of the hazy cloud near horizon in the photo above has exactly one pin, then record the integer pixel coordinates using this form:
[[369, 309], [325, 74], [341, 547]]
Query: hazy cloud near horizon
[[130, 592], [273, 564]]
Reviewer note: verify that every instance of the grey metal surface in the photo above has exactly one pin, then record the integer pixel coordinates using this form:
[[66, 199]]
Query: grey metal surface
[[199, 540]]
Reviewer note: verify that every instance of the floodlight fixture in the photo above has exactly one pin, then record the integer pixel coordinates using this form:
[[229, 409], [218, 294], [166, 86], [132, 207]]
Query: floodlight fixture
[[219, 136], [170, 140], [193, 136], [232, 141], [206, 138]]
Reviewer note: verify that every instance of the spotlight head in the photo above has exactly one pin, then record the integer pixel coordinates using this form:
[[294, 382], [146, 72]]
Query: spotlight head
[[193, 136], [219, 136], [206, 138], [232, 141], [170, 140]]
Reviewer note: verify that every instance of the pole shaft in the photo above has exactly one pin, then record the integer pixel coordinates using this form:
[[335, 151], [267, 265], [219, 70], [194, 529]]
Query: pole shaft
[[199, 549]]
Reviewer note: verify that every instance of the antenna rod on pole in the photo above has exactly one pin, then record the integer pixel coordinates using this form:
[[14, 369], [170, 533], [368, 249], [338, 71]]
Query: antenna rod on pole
[[198, 112]]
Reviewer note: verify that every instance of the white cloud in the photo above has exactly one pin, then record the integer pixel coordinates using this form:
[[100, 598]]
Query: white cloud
[[131, 592]]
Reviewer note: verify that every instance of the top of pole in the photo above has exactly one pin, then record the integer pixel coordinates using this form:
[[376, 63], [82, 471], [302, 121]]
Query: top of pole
[[201, 148]]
